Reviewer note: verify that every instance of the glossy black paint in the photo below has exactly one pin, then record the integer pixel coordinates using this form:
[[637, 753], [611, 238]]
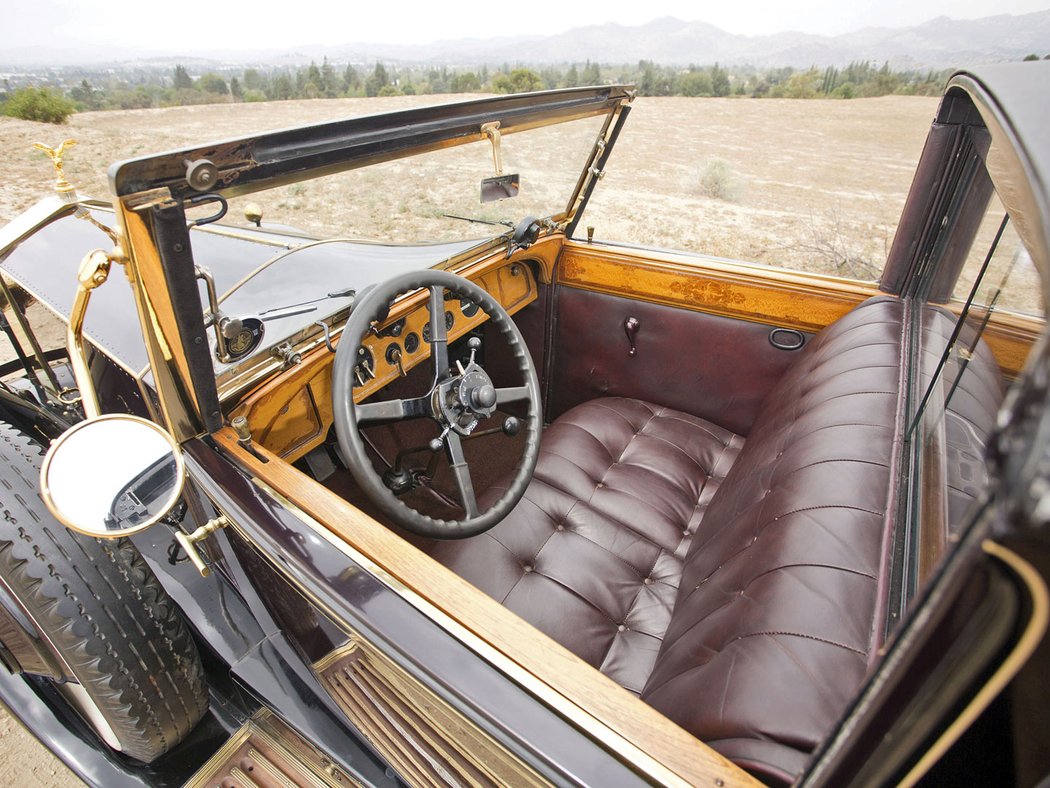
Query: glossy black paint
[[385, 619]]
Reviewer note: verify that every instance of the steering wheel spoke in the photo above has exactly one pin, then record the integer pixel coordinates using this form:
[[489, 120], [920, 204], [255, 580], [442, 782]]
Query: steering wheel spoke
[[392, 410], [512, 394], [457, 461], [438, 333]]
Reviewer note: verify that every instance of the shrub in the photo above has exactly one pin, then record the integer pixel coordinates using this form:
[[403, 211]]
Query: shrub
[[39, 104], [717, 180]]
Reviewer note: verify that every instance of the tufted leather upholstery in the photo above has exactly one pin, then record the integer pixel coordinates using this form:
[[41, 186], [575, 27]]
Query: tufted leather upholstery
[[771, 631], [732, 585], [593, 553]]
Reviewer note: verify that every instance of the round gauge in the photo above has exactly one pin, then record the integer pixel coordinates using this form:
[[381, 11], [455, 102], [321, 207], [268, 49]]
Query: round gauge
[[412, 342], [468, 307], [449, 320], [246, 340]]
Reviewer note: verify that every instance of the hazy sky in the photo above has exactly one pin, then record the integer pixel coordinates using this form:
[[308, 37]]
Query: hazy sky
[[204, 25]]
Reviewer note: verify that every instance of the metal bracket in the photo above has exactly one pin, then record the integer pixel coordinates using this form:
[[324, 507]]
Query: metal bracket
[[491, 130], [189, 541]]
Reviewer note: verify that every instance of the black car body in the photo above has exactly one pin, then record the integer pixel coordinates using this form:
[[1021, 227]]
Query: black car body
[[868, 604]]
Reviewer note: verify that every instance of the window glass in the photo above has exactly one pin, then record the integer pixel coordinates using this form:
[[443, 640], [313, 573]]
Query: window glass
[[410, 199], [1011, 282], [808, 185]]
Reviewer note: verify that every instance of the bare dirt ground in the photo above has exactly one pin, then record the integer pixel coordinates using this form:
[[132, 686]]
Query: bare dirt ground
[[804, 184]]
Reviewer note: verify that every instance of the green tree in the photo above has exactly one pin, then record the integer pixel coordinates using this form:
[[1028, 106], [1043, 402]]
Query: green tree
[[253, 80], [235, 88], [281, 88], [377, 80], [591, 74], [183, 80], [213, 83], [466, 82], [351, 81], [1028, 58], [329, 82], [695, 83], [86, 96], [520, 80], [572, 77], [39, 104], [719, 81]]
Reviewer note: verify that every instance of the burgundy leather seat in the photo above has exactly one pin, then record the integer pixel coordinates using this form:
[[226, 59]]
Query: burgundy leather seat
[[732, 585]]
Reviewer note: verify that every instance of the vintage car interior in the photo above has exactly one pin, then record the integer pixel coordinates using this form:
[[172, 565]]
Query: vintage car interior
[[708, 517], [717, 487]]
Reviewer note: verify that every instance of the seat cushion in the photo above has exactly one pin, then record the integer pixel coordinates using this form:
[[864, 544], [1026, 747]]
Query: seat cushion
[[592, 555]]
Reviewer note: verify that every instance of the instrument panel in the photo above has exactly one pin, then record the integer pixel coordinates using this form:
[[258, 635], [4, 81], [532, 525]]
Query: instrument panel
[[292, 414], [404, 343]]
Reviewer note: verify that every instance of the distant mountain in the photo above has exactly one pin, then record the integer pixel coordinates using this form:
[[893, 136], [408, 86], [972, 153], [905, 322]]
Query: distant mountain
[[939, 43]]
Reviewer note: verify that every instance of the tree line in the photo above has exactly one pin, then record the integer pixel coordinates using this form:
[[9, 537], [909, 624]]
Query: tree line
[[327, 80]]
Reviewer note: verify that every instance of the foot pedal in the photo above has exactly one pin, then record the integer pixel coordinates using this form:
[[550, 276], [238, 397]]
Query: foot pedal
[[320, 463]]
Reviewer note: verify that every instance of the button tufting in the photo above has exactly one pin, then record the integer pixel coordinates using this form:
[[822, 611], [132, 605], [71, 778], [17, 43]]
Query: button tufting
[[621, 628], [648, 581], [559, 527], [527, 568]]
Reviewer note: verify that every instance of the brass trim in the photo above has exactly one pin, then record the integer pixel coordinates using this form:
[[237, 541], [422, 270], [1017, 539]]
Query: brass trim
[[258, 236], [1026, 645], [171, 376], [93, 273], [162, 511], [616, 744], [425, 739], [265, 751]]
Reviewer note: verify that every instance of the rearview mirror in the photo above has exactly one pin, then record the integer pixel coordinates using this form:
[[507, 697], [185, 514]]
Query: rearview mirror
[[111, 476], [500, 188]]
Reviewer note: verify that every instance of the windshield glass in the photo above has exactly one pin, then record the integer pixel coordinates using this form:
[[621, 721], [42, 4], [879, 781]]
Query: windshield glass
[[409, 200]]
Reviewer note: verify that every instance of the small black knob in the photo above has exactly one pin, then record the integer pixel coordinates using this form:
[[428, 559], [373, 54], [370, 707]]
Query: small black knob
[[511, 426], [483, 396], [435, 444]]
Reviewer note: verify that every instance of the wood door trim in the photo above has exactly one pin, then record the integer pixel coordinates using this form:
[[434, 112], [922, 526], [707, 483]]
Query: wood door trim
[[806, 302]]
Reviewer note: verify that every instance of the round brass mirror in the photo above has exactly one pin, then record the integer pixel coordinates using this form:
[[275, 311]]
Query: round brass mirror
[[112, 476]]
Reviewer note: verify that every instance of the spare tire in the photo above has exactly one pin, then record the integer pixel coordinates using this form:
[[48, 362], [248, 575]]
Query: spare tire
[[112, 626]]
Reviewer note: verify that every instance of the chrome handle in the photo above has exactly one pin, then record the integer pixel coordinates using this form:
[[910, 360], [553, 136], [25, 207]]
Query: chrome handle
[[630, 328]]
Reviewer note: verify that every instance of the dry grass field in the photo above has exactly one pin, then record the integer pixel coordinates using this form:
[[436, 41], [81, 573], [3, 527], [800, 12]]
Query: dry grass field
[[804, 184]]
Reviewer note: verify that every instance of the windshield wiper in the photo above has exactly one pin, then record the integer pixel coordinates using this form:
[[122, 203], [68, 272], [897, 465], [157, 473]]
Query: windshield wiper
[[502, 222], [304, 306]]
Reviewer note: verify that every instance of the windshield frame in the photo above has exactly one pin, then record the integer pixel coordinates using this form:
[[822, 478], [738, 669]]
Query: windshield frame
[[151, 196]]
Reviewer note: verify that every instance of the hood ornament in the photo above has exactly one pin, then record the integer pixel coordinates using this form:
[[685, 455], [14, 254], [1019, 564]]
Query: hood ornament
[[65, 189], [68, 192]]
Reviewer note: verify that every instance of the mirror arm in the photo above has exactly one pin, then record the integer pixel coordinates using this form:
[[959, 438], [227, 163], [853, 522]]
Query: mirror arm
[[94, 270]]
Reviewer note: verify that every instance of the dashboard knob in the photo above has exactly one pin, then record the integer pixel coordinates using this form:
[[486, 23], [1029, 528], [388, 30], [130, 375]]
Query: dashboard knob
[[511, 426], [483, 396]]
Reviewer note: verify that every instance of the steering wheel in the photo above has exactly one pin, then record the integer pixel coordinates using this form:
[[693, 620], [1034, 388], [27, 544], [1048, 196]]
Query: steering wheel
[[458, 399]]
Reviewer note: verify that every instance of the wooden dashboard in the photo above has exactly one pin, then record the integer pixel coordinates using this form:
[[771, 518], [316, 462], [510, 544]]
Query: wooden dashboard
[[291, 414]]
